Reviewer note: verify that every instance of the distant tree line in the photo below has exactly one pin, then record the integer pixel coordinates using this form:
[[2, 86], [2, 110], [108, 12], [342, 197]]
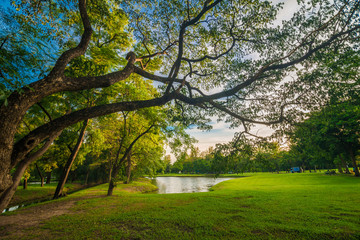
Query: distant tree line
[[326, 139]]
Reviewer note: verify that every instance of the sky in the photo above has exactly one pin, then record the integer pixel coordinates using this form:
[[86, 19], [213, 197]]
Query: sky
[[5, 3]]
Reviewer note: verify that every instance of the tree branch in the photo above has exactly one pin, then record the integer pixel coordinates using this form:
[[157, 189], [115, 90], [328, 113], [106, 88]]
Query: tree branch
[[30, 141], [128, 150], [235, 115], [80, 49], [176, 66], [29, 158], [44, 110]]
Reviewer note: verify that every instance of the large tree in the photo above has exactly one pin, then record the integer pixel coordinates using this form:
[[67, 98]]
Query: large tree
[[329, 134], [224, 56]]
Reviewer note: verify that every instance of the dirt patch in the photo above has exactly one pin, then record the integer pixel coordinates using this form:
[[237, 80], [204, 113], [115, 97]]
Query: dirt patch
[[14, 226]]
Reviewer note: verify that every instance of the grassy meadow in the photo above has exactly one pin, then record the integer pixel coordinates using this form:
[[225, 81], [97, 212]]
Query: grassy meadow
[[259, 206]]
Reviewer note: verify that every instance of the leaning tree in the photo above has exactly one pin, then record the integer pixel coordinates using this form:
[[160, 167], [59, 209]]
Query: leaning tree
[[228, 58]]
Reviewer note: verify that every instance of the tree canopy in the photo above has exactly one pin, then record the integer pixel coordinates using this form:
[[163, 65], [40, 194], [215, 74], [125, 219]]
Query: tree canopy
[[329, 135]]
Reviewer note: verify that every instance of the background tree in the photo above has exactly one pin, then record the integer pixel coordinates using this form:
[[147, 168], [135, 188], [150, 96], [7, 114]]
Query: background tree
[[236, 156], [330, 134], [129, 135], [70, 161]]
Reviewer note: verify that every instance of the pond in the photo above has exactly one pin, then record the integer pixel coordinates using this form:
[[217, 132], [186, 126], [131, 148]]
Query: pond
[[186, 184]]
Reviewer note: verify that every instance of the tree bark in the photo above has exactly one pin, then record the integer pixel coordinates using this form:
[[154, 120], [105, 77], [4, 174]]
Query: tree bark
[[114, 171], [25, 183], [110, 172], [70, 161], [48, 178], [111, 187], [112, 180], [340, 169], [343, 163], [40, 174], [128, 168], [6, 195], [5, 198], [352, 156], [87, 177]]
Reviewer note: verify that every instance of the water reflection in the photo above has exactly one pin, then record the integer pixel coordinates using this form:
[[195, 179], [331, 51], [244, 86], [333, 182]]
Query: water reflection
[[186, 184], [13, 208], [25, 205]]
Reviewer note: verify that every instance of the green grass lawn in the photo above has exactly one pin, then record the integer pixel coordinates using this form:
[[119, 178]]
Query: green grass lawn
[[260, 206], [35, 192]]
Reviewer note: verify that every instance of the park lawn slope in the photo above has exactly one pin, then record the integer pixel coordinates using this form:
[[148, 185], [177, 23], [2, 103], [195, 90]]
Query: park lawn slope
[[35, 192], [261, 206]]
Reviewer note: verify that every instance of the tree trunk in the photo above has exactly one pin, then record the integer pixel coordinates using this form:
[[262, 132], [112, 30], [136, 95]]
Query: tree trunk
[[110, 172], [40, 174], [112, 179], [48, 178], [42, 181], [117, 162], [340, 169], [344, 164], [113, 171], [87, 177], [67, 167], [352, 156], [111, 187], [25, 183], [128, 168], [9, 192]]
